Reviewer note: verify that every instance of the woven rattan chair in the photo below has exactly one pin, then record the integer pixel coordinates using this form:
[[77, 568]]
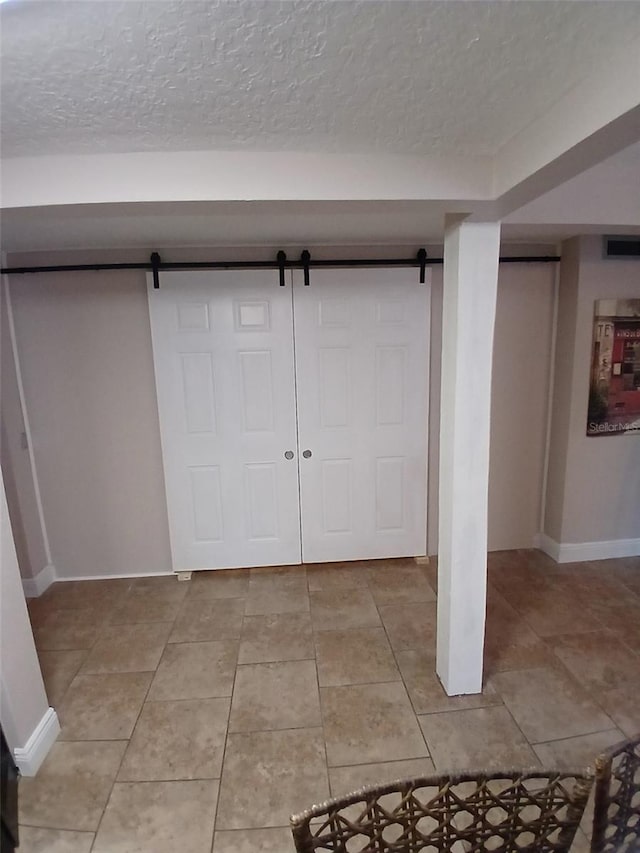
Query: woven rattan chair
[[512, 811], [616, 811]]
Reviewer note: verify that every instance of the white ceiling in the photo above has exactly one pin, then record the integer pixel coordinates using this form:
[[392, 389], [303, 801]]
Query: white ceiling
[[354, 76], [259, 122]]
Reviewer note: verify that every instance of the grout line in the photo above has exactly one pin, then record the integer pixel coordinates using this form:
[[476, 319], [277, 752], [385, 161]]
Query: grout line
[[322, 723], [57, 829], [404, 683], [362, 684], [614, 728], [224, 748], [126, 749], [526, 739], [269, 662]]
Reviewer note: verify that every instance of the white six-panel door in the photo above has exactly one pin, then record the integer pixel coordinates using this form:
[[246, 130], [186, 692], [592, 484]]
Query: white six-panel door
[[273, 456], [362, 367], [223, 354]]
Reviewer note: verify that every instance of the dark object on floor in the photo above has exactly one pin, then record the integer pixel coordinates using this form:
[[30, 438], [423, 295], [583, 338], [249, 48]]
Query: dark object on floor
[[8, 799], [524, 811], [616, 814]]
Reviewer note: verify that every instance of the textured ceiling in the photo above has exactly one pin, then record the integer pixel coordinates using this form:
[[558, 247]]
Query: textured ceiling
[[428, 77]]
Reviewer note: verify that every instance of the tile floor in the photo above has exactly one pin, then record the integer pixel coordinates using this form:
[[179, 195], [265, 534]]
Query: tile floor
[[197, 716]]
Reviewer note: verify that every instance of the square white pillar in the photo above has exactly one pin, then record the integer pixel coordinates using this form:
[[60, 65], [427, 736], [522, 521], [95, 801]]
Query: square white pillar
[[471, 254]]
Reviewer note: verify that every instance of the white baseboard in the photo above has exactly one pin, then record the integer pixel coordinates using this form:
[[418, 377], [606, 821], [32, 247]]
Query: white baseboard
[[578, 552], [30, 756], [115, 577], [34, 587]]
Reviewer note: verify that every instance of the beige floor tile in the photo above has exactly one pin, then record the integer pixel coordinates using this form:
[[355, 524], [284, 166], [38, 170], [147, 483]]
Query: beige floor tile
[[623, 706], [158, 817], [632, 583], [336, 576], [268, 776], [270, 696], [369, 723], [141, 605], [425, 690], [39, 609], [513, 645], [195, 671], [621, 565], [556, 611], [547, 705], [358, 656], [576, 752], [177, 740], [430, 571], [399, 584], [477, 738], [598, 660], [72, 786], [581, 843], [277, 637], [96, 594], [573, 607], [625, 623], [167, 585], [127, 648], [58, 671], [282, 576], [276, 599], [208, 620], [103, 707], [336, 610], [345, 780], [228, 583], [69, 629], [33, 840], [411, 626], [278, 579], [272, 840], [594, 586]]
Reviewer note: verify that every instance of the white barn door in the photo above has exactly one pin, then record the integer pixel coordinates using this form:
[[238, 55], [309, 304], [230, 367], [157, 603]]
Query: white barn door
[[362, 366], [223, 355]]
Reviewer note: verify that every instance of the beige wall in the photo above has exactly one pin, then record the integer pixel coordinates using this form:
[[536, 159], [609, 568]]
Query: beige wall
[[562, 389], [520, 402], [84, 346], [85, 349], [600, 501], [16, 463]]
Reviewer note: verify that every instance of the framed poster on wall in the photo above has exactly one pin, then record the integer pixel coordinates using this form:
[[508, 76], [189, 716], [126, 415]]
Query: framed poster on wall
[[614, 387]]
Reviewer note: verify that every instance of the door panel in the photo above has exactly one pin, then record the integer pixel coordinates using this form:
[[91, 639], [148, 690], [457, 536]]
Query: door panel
[[361, 343], [223, 355]]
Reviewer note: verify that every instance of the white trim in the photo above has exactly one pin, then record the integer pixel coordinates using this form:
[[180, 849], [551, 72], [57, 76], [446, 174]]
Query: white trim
[[30, 756], [35, 586], [578, 552], [115, 577], [25, 419]]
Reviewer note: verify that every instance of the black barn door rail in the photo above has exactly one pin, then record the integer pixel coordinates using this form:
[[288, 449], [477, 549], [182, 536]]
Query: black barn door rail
[[281, 263]]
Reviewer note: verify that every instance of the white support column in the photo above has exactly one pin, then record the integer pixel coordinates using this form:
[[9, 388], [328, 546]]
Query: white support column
[[471, 252]]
